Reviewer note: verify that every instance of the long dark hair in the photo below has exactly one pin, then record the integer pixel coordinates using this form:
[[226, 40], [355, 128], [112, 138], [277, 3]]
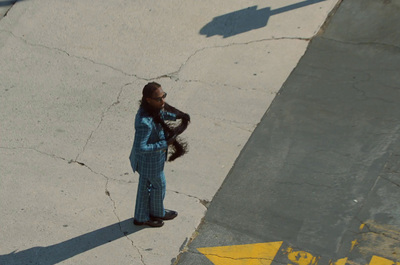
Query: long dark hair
[[179, 147]]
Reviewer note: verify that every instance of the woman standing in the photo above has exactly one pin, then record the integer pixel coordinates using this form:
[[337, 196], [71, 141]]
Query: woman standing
[[149, 153]]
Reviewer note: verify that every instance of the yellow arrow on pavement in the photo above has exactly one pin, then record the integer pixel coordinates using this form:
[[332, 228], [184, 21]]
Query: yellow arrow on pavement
[[251, 254]]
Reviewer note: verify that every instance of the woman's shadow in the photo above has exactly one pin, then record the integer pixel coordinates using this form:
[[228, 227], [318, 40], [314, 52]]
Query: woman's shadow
[[62, 251]]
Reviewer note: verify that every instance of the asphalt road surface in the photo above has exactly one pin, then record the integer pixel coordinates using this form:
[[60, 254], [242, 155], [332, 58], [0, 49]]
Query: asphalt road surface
[[318, 180]]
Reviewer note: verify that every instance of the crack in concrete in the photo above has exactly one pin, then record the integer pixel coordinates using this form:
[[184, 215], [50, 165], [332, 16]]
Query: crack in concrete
[[103, 114], [120, 227], [97, 173], [204, 202], [366, 43], [71, 55], [35, 150], [371, 229], [119, 224], [69, 161], [107, 192], [138, 250], [63, 159], [391, 181], [174, 75]]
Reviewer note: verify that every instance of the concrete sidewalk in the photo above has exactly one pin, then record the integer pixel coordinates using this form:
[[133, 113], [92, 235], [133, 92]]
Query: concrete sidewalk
[[71, 78]]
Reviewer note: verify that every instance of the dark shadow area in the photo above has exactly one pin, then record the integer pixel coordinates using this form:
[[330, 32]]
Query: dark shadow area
[[237, 22], [62, 251], [247, 19], [9, 3]]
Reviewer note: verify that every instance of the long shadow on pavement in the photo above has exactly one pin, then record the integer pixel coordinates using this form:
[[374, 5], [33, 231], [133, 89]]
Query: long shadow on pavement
[[62, 251]]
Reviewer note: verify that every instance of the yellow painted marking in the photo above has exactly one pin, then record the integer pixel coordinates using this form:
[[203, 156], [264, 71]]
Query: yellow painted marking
[[375, 260], [362, 226], [379, 240], [251, 254], [339, 262], [301, 257], [353, 244]]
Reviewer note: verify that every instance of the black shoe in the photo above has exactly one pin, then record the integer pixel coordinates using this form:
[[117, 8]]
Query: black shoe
[[169, 215], [151, 222]]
